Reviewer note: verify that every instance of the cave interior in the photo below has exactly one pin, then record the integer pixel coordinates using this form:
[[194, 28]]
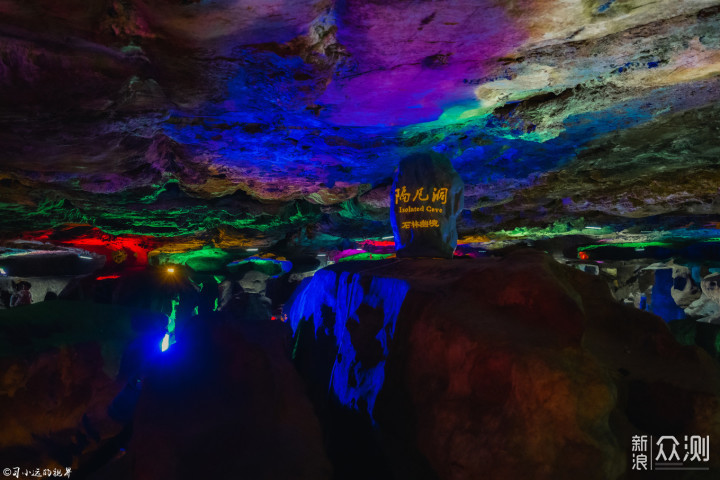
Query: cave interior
[[208, 268]]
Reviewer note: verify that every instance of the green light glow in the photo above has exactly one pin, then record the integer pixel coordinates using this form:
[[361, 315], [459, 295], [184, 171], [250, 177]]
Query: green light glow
[[473, 113], [458, 113], [152, 198], [215, 257], [627, 245], [119, 215], [269, 266], [171, 318], [575, 227], [366, 256]]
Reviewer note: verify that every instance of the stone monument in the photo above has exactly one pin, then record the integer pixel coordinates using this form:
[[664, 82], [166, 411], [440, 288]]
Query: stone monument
[[426, 198]]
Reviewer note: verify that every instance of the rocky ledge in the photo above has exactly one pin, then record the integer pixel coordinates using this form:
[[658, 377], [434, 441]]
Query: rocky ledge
[[494, 368]]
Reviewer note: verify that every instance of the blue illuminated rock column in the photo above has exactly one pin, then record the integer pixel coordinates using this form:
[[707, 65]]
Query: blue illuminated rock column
[[426, 199]]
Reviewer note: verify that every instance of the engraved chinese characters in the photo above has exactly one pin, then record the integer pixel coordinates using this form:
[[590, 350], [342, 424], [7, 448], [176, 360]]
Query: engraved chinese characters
[[426, 198]]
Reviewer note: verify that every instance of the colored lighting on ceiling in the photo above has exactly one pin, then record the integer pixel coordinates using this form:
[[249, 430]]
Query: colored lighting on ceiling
[[108, 277], [115, 247], [270, 266], [379, 243], [629, 245], [366, 256]]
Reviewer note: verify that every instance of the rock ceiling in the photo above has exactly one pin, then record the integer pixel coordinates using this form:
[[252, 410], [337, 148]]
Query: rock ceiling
[[284, 119]]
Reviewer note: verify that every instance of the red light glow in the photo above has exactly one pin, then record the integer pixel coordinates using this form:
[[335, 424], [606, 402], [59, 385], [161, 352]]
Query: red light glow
[[134, 248]]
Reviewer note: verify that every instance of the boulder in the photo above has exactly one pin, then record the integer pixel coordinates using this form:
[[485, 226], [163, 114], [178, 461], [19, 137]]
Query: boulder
[[425, 201], [704, 309], [254, 282], [226, 402], [499, 368], [684, 290], [59, 364]]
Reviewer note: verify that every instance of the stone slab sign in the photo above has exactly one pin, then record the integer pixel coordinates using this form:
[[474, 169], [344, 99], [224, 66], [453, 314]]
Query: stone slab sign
[[426, 198]]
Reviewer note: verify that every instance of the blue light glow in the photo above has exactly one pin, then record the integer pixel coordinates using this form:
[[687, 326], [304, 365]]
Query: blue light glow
[[662, 303], [344, 294]]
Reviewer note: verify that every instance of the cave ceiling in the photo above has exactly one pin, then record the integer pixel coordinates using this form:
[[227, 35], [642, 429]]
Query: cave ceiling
[[280, 120]]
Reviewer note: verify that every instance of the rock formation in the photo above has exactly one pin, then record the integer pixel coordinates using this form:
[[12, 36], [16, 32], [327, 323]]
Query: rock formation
[[512, 368]]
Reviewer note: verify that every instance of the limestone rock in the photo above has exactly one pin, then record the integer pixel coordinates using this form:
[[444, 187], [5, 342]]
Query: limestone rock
[[225, 400], [60, 363], [703, 307], [500, 368], [425, 201], [684, 290], [711, 287], [254, 282]]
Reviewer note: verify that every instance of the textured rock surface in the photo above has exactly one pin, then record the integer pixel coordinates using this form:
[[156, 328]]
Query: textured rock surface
[[684, 290], [60, 363], [226, 400], [426, 199], [704, 309], [501, 368], [173, 118], [711, 287]]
